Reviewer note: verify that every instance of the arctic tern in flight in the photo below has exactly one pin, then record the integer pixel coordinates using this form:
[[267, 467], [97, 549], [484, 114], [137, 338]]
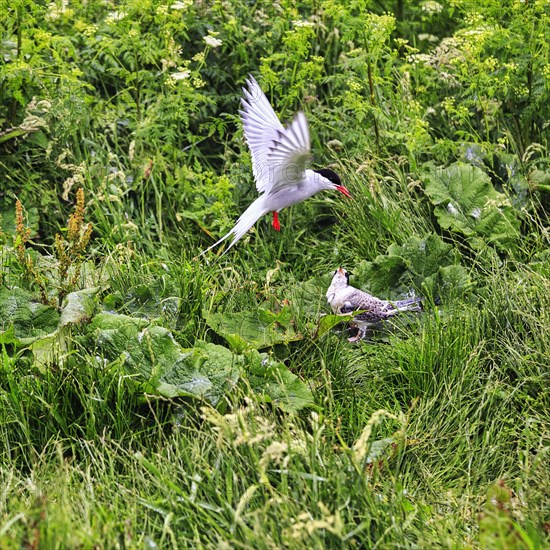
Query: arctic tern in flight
[[279, 159]]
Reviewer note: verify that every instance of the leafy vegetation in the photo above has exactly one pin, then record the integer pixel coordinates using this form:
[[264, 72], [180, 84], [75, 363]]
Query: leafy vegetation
[[150, 398]]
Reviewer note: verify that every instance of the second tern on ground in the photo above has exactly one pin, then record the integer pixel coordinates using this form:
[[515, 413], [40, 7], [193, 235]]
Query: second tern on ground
[[344, 299]]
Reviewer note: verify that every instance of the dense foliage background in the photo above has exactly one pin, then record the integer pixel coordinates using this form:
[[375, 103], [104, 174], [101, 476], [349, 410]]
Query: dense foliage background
[[152, 399]]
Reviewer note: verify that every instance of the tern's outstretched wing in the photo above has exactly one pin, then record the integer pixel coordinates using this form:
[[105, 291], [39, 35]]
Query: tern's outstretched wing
[[279, 154]]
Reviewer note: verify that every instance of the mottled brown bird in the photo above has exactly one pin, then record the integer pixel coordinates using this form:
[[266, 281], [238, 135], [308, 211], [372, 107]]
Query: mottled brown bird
[[345, 299]]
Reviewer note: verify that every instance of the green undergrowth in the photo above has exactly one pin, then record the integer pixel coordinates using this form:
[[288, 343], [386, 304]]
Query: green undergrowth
[[142, 412], [154, 398]]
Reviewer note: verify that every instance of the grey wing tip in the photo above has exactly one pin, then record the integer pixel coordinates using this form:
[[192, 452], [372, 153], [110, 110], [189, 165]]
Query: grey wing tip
[[415, 304], [275, 145], [250, 82]]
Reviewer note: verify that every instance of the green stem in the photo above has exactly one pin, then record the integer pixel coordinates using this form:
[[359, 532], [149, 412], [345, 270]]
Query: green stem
[[13, 105], [373, 102]]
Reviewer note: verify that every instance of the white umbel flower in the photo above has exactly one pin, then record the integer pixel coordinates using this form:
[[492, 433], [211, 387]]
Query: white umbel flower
[[212, 41], [181, 75]]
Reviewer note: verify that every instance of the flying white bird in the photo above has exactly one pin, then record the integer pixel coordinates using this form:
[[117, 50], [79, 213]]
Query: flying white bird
[[279, 159], [345, 299]]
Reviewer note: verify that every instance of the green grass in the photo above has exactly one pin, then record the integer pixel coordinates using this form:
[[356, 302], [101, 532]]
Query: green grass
[[433, 432], [87, 461]]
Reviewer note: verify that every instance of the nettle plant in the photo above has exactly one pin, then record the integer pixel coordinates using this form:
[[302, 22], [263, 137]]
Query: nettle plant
[[371, 107], [294, 64], [43, 106], [489, 82], [91, 94], [149, 74], [368, 34]]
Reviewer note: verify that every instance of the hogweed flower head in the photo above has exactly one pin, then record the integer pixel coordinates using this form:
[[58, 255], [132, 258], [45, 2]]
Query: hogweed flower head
[[212, 41]]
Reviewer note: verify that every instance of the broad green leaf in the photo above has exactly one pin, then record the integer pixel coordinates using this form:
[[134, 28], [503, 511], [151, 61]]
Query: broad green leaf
[[450, 281], [309, 297], [150, 300], [380, 275], [378, 448], [275, 383], [23, 319], [364, 452], [39, 138], [540, 180], [7, 336], [120, 336], [49, 350], [113, 321], [78, 307], [206, 371], [424, 256], [236, 343], [260, 328], [466, 202], [404, 265], [328, 322]]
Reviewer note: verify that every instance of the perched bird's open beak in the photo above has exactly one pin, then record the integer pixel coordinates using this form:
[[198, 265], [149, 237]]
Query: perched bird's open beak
[[343, 190]]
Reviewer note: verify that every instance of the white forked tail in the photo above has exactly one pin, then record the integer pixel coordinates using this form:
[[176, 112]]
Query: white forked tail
[[248, 218]]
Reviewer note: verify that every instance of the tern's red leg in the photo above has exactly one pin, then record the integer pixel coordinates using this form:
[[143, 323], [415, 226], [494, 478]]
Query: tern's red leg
[[276, 224]]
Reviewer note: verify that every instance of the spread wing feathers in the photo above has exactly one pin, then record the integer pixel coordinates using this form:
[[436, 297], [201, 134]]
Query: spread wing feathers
[[290, 152], [276, 151], [261, 127]]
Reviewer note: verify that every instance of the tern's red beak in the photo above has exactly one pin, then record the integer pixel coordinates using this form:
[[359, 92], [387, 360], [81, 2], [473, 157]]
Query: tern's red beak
[[343, 190]]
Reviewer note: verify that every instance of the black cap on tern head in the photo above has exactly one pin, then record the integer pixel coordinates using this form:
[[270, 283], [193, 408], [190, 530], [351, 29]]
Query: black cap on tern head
[[331, 175]]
